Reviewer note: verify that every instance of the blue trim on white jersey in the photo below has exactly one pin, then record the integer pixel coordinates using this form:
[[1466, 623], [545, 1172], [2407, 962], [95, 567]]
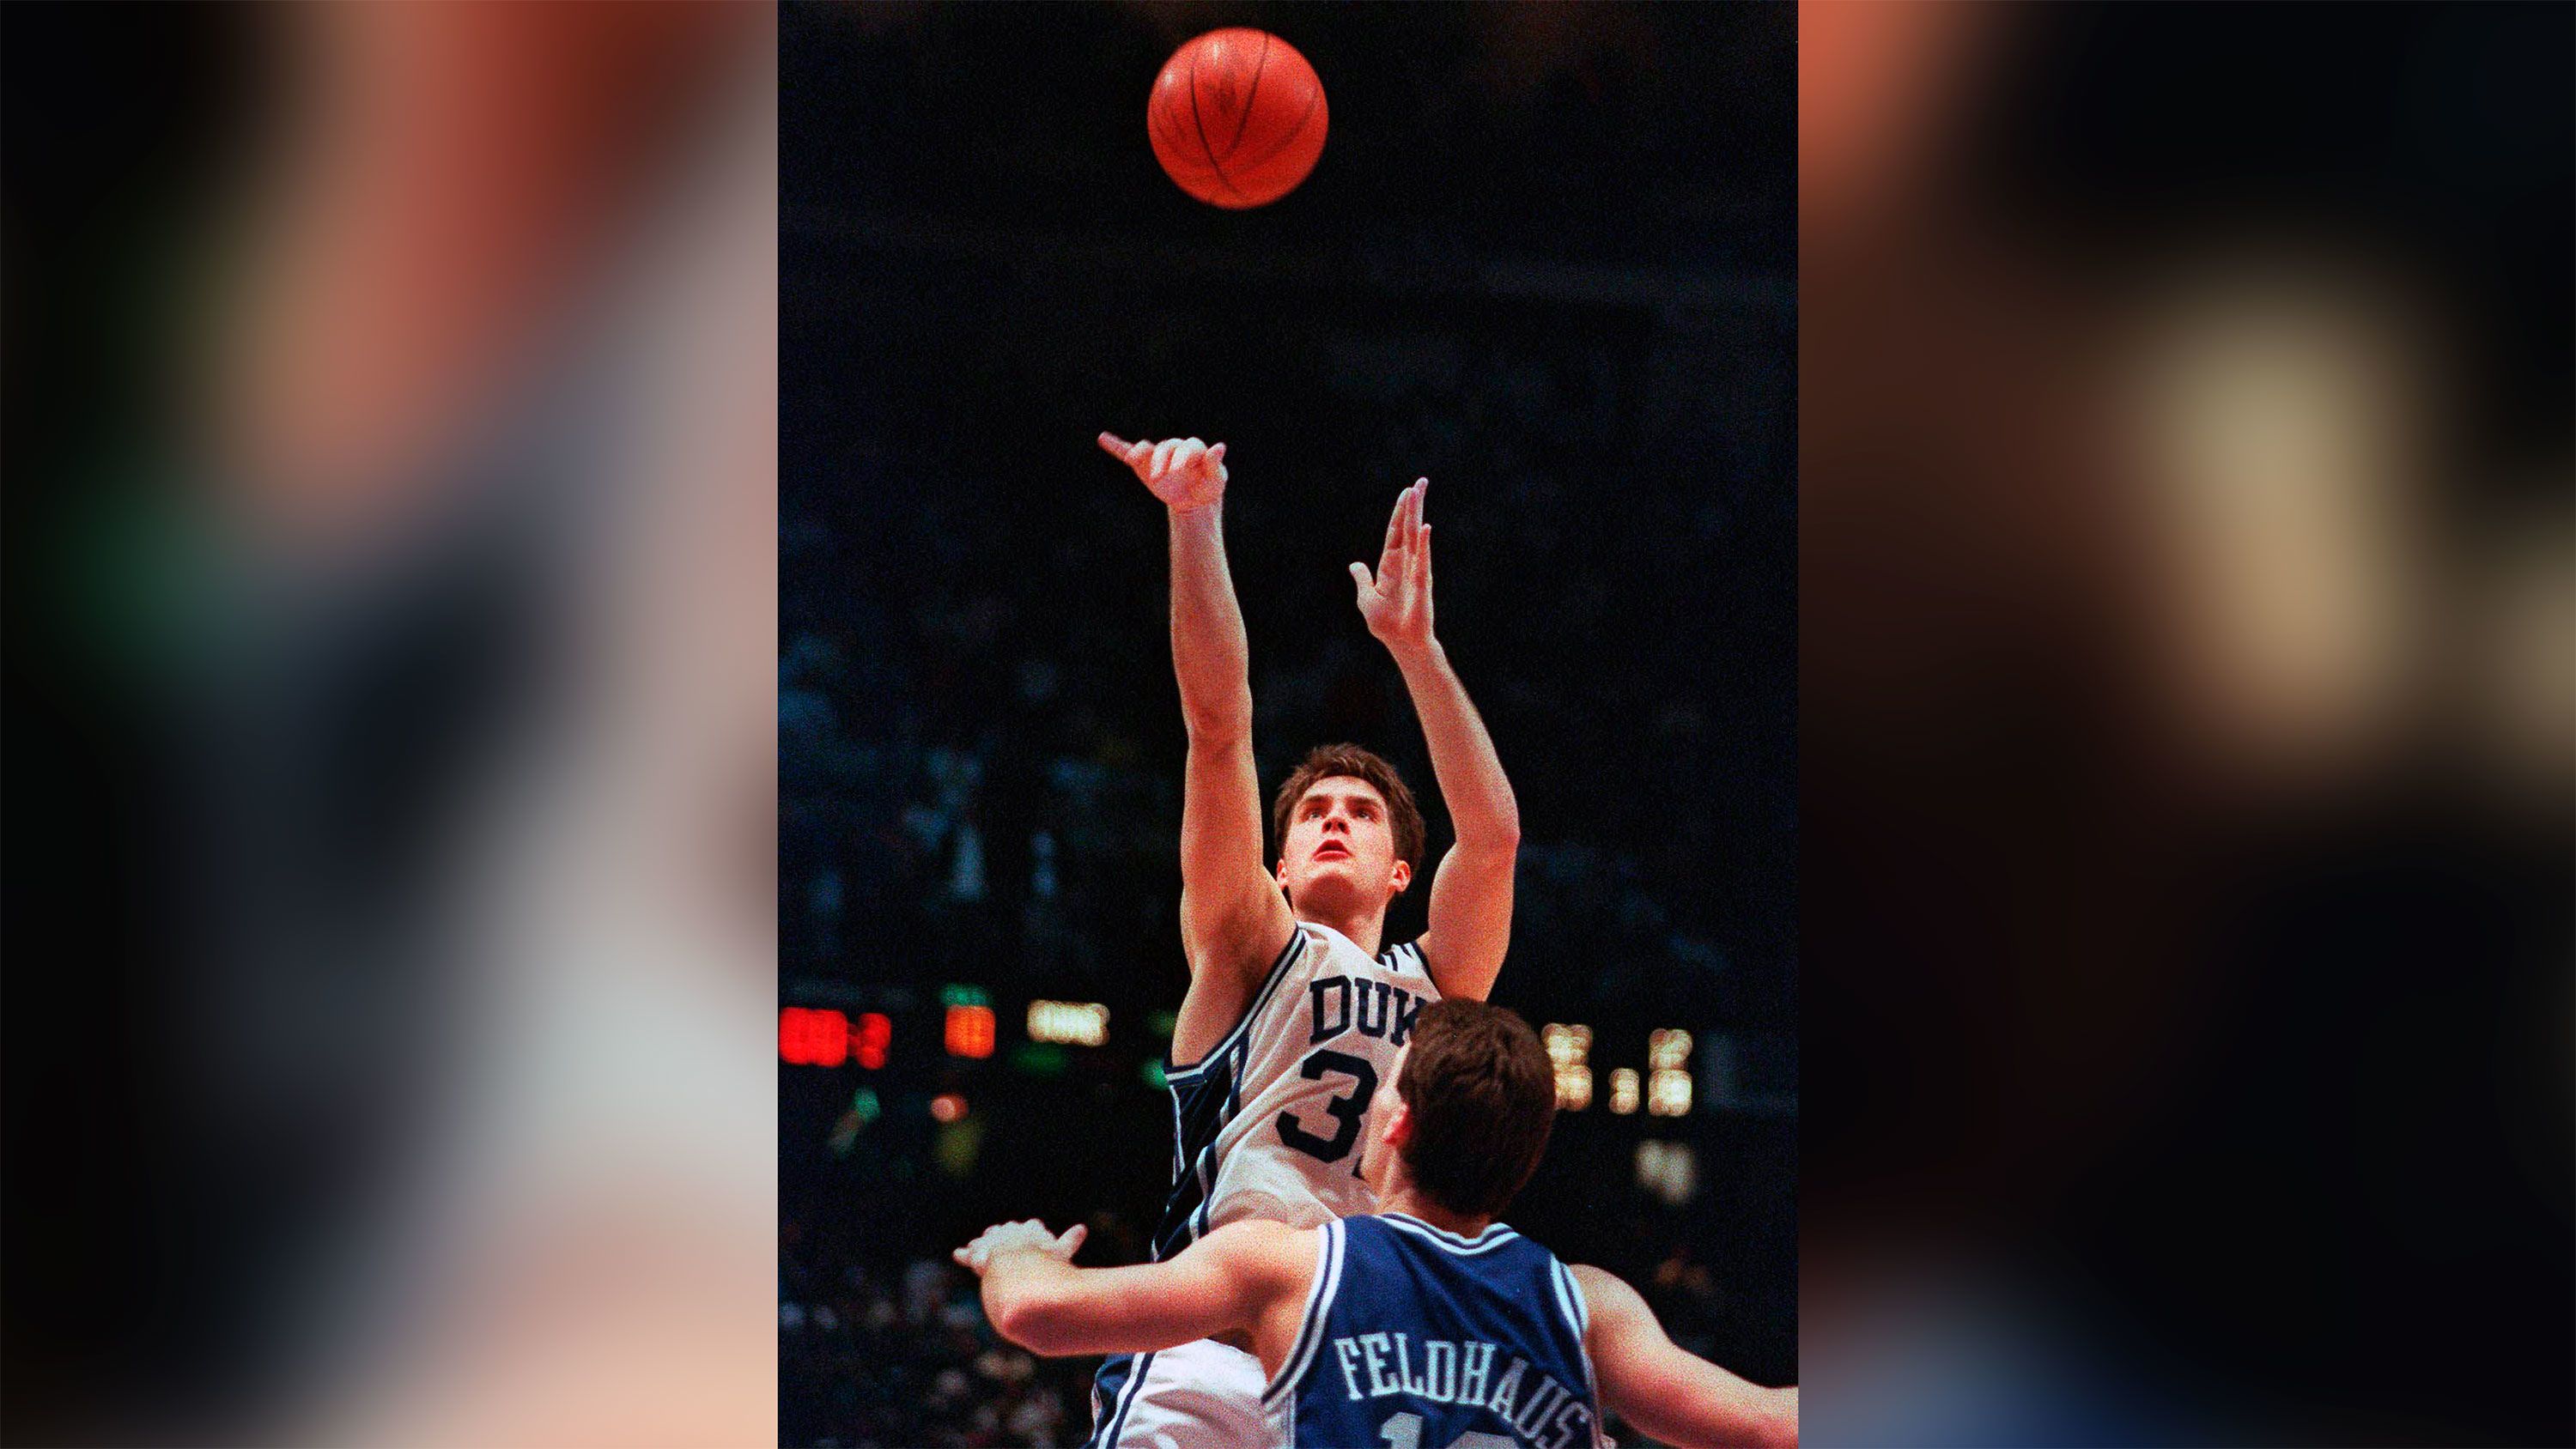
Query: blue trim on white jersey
[[1243, 1023], [1104, 1432], [1396, 958]]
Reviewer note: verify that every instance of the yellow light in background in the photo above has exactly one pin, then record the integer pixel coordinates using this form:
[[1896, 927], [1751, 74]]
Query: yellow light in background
[[1668, 1092], [1570, 1048], [1074, 1023], [1668, 1086], [1668, 1047], [1669, 1170], [1573, 1088], [1623, 1090]]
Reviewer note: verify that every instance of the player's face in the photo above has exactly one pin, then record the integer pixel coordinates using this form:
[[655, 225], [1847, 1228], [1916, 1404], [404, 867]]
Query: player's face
[[1340, 850]]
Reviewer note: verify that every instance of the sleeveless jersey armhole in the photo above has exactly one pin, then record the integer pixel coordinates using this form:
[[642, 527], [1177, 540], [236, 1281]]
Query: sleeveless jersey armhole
[[1319, 1307], [1288, 954]]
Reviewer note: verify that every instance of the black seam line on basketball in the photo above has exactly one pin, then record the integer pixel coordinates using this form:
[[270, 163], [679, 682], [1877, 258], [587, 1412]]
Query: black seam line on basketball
[[1201, 127], [1251, 95], [1293, 133], [1156, 124]]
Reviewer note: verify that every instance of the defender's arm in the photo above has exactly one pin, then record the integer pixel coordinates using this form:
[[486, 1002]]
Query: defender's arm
[[1676, 1396], [1471, 896], [1223, 1283]]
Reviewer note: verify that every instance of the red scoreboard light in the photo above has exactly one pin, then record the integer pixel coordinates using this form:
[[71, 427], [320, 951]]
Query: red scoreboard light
[[809, 1037], [871, 1038]]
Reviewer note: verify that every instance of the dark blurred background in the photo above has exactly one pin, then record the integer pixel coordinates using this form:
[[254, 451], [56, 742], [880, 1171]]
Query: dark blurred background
[[2188, 723], [388, 556], [1547, 260]]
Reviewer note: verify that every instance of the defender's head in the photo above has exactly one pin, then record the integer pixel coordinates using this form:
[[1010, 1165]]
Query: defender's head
[[1350, 836], [1474, 1098]]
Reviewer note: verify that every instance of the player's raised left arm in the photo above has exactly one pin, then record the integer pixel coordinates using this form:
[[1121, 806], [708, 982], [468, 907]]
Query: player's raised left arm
[[1224, 1282], [1471, 895]]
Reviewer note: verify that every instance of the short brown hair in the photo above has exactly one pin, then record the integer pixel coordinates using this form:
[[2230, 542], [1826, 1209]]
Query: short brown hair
[[1483, 1096], [1325, 761]]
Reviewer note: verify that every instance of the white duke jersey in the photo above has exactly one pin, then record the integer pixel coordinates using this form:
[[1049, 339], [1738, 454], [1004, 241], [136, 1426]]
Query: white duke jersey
[[1267, 1124]]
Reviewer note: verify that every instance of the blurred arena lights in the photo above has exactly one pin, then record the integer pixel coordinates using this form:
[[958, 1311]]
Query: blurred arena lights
[[1570, 1047], [1038, 1059], [1669, 1170], [812, 1037], [1072, 1023], [1623, 1090], [969, 1030], [1668, 1093], [1668, 1088], [948, 1107], [868, 1043]]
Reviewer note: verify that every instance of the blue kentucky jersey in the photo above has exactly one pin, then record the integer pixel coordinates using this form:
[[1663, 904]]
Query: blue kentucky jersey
[[1415, 1338]]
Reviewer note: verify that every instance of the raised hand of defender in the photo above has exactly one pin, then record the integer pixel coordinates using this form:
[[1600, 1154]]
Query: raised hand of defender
[[1396, 602], [1184, 472], [1002, 1237]]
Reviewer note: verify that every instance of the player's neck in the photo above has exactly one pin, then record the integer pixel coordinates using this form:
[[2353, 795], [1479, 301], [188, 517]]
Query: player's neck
[[1414, 1205], [1364, 929]]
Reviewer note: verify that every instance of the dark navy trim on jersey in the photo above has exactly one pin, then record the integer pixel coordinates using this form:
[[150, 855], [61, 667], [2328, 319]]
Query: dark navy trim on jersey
[[1319, 1306], [1395, 958], [1104, 1431], [1174, 1073], [1206, 1095]]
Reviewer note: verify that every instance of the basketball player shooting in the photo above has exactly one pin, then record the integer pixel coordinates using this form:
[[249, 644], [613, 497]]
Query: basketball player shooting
[[1296, 1008], [1429, 1325]]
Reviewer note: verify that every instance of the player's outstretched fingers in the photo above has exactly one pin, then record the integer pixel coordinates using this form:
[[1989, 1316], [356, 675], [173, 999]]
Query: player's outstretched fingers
[[1072, 1239], [1216, 460], [1121, 449], [1163, 458]]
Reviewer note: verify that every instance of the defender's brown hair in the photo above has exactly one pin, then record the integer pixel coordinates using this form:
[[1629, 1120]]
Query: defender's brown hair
[[1325, 761], [1483, 1096]]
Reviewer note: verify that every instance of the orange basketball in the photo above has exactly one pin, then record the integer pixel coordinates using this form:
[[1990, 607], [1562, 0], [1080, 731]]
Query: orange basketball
[[1237, 118]]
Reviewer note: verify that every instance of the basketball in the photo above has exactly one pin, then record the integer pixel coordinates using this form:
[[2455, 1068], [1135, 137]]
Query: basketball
[[1237, 118]]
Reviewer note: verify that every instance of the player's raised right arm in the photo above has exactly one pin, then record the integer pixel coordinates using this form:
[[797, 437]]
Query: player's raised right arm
[[1675, 1395], [1233, 917]]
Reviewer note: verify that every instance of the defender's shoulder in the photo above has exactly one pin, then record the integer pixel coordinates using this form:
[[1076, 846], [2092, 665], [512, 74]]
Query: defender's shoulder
[[1272, 1249]]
